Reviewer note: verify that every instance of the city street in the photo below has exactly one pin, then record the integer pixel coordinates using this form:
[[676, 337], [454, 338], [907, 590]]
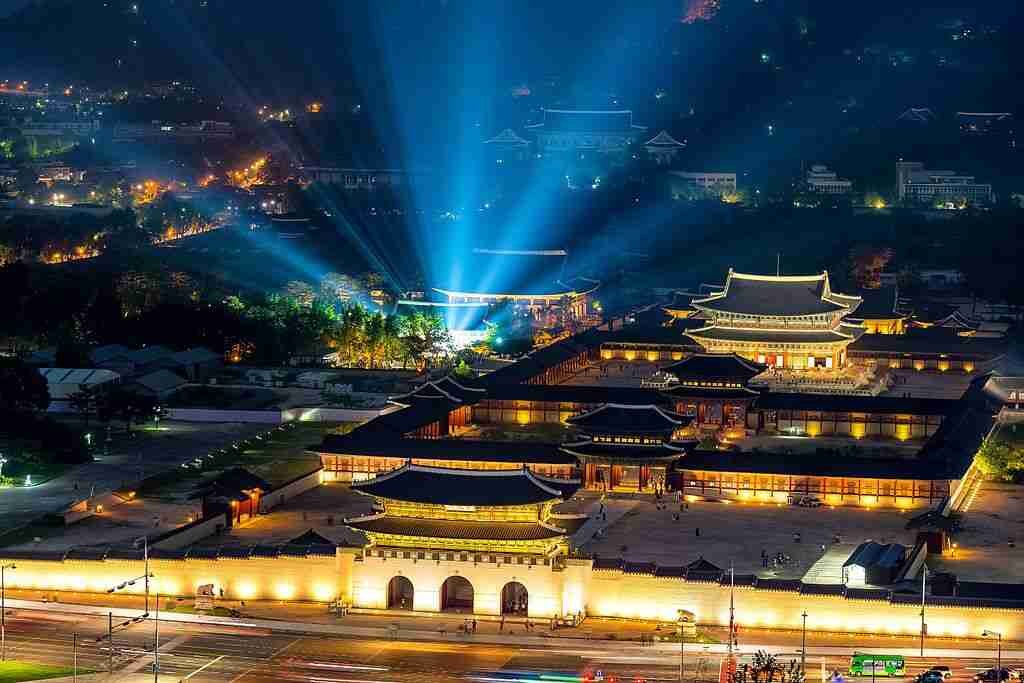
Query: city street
[[214, 652]]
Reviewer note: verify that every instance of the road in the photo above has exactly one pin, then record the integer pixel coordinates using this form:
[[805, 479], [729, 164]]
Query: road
[[203, 653]]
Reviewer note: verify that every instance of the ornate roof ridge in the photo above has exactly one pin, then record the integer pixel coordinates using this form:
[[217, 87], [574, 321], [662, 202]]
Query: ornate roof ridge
[[453, 471], [628, 406]]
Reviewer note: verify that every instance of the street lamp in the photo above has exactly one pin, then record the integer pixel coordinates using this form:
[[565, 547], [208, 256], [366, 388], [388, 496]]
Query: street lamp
[[682, 642], [3, 610], [999, 651], [2, 461], [924, 626], [803, 649], [156, 619]]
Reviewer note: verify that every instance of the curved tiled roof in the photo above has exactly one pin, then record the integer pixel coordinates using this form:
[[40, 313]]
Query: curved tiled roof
[[785, 295], [620, 418], [843, 333], [445, 388], [724, 366], [465, 530], [627, 453], [445, 486]]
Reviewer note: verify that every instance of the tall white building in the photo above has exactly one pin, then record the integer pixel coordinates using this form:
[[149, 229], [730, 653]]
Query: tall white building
[[916, 183], [824, 181]]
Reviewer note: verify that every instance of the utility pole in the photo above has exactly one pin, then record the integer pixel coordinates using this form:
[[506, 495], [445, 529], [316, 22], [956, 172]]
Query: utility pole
[[110, 642], [924, 626], [682, 644], [803, 649], [732, 608], [156, 641], [999, 652], [3, 611], [74, 655]]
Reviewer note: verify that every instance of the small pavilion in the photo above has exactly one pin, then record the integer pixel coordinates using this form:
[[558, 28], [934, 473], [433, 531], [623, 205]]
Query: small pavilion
[[629, 447], [713, 389]]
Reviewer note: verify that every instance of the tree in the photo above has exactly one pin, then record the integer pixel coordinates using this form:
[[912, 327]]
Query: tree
[[1001, 461], [84, 402], [128, 407], [22, 388]]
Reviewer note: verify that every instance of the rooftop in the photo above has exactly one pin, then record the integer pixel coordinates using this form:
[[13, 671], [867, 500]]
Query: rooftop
[[716, 366], [515, 272], [444, 486], [818, 336], [587, 121], [619, 418], [785, 295], [464, 530]]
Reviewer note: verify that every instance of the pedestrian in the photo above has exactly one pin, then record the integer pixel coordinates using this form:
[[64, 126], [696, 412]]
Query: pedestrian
[[501, 624], [474, 626], [697, 530]]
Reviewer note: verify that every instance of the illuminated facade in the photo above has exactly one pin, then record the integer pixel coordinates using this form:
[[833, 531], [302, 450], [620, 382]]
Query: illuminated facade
[[713, 389], [629, 447], [786, 322], [473, 510], [533, 281]]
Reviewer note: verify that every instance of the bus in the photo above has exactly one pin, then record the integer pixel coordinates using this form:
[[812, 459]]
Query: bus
[[863, 664]]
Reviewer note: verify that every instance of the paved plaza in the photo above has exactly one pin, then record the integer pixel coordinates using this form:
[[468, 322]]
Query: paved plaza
[[131, 458]]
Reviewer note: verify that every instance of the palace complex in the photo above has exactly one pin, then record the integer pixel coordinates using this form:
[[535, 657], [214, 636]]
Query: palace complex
[[469, 481]]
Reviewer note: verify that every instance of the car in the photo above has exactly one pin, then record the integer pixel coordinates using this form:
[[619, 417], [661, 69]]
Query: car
[[805, 501], [989, 675], [944, 670], [929, 677]]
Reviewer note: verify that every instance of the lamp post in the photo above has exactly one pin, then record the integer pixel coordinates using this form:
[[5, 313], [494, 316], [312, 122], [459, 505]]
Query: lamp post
[[3, 610], [803, 648], [156, 620], [682, 643], [145, 569], [924, 626], [2, 461], [999, 651]]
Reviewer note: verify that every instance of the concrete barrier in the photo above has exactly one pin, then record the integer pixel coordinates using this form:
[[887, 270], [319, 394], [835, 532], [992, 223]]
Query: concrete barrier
[[289, 490]]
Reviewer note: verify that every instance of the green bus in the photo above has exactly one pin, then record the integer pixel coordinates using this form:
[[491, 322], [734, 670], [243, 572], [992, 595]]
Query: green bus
[[863, 664]]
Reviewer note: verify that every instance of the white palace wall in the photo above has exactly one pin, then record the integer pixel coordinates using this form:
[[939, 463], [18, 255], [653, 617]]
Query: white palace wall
[[565, 588]]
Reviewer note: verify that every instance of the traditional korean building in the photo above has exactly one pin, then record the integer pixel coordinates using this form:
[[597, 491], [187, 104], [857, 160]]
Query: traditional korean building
[[788, 321], [445, 391], [534, 281], [878, 312], [586, 130], [713, 388], [663, 148], [468, 510], [629, 447], [506, 146]]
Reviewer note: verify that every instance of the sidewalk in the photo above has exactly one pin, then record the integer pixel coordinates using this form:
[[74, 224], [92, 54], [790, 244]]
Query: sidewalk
[[301, 618]]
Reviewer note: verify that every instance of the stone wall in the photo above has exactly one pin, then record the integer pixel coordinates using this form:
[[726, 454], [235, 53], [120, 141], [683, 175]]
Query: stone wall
[[565, 587]]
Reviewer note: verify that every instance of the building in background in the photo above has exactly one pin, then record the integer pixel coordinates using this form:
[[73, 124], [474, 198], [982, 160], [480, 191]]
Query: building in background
[[663, 148], [918, 184], [586, 131], [821, 180], [694, 184]]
